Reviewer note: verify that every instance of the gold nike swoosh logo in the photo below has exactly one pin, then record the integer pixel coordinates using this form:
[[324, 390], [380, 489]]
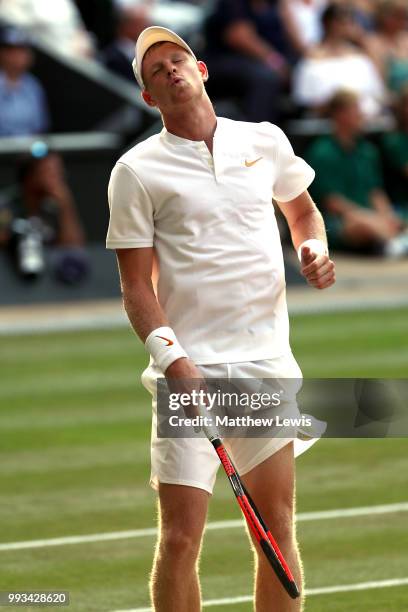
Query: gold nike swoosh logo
[[252, 163], [169, 342]]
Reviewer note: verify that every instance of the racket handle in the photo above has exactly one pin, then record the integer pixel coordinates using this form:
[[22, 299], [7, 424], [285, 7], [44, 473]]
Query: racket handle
[[209, 430]]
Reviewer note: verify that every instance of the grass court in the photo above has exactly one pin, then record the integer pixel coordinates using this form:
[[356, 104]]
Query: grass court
[[74, 457]]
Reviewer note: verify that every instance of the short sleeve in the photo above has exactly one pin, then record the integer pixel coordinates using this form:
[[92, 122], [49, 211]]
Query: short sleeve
[[293, 174], [131, 211]]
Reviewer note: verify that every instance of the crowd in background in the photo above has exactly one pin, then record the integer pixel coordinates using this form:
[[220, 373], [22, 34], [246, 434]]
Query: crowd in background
[[274, 60]]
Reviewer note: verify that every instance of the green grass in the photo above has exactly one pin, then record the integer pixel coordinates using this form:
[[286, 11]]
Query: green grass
[[74, 459]]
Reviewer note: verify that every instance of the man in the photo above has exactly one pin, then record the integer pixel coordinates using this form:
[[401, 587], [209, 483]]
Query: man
[[336, 62], [349, 185], [23, 104], [200, 193], [41, 212], [249, 55], [394, 145], [56, 23], [130, 21]]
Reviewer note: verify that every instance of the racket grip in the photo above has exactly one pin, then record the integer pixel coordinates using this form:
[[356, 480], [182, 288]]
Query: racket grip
[[209, 430]]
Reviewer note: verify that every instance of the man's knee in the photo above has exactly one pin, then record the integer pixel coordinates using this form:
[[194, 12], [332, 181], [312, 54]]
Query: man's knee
[[275, 503], [281, 523], [180, 544], [183, 512]]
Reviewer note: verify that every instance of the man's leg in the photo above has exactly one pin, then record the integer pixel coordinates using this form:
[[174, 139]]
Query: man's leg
[[174, 579], [271, 484]]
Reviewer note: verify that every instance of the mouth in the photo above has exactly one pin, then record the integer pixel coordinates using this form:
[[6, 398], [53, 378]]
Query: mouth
[[175, 81]]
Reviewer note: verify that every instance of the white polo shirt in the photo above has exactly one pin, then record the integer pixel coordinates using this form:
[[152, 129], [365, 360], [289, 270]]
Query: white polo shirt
[[212, 223]]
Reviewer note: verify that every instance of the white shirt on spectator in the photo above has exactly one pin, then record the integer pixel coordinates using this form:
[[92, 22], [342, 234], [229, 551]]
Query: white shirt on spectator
[[307, 17], [56, 22], [316, 80]]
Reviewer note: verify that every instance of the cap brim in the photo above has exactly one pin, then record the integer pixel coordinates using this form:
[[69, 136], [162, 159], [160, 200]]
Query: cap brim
[[150, 36]]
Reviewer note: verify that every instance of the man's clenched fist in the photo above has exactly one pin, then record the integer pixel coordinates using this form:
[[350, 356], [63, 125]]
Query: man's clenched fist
[[318, 269]]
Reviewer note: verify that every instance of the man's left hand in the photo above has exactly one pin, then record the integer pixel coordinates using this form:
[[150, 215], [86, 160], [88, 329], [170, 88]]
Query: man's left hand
[[318, 269]]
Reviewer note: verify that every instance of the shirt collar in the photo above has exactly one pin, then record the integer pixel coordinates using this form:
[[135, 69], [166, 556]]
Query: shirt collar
[[178, 140]]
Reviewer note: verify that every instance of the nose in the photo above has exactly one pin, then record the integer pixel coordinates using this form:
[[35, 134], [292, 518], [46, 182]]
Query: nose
[[171, 69]]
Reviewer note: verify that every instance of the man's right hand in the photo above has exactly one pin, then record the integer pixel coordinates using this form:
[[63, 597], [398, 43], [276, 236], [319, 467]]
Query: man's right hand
[[183, 376], [183, 368]]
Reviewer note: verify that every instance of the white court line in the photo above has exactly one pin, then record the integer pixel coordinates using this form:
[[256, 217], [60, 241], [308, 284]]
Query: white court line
[[213, 526], [341, 588]]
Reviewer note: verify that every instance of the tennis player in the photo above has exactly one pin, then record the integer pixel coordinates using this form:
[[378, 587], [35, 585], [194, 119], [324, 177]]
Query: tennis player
[[199, 195]]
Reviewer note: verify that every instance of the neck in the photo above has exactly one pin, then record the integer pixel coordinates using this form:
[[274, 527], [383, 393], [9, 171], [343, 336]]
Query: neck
[[193, 121], [346, 138], [334, 42]]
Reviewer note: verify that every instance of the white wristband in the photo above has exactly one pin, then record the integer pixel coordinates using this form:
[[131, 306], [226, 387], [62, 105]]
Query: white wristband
[[164, 347], [315, 245]]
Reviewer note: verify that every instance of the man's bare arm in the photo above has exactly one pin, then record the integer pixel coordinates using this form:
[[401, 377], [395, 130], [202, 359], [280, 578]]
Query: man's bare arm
[[139, 299], [306, 222], [243, 37], [382, 204], [304, 219], [141, 305]]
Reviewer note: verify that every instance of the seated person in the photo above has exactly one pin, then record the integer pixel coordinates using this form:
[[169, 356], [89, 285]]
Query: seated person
[[395, 153], [248, 55], [118, 56], [23, 104], [388, 45], [41, 211], [56, 23], [349, 188], [335, 63], [364, 13], [302, 20]]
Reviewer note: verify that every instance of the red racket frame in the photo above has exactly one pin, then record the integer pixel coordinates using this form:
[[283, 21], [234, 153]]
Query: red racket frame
[[256, 523]]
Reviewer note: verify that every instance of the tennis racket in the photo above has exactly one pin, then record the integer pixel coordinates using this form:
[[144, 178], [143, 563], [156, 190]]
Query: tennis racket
[[255, 521]]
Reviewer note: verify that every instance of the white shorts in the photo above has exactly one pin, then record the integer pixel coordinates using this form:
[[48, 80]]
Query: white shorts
[[193, 461]]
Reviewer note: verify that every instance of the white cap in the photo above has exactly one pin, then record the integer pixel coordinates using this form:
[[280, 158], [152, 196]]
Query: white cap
[[149, 37]]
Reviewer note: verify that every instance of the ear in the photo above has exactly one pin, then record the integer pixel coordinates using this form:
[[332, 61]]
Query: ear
[[148, 98], [202, 67]]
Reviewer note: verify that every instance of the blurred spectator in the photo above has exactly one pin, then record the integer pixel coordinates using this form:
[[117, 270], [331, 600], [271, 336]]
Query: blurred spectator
[[98, 17], [395, 149], [388, 46], [57, 23], [364, 13], [302, 20], [337, 63], [182, 17], [41, 211], [349, 187], [23, 106], [248, 55], [131, 20]]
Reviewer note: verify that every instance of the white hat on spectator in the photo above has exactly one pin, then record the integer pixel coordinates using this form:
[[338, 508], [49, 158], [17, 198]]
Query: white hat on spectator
[[150, 36]]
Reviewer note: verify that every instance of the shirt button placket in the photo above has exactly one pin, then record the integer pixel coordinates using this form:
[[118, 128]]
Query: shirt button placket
[[208, 158]]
